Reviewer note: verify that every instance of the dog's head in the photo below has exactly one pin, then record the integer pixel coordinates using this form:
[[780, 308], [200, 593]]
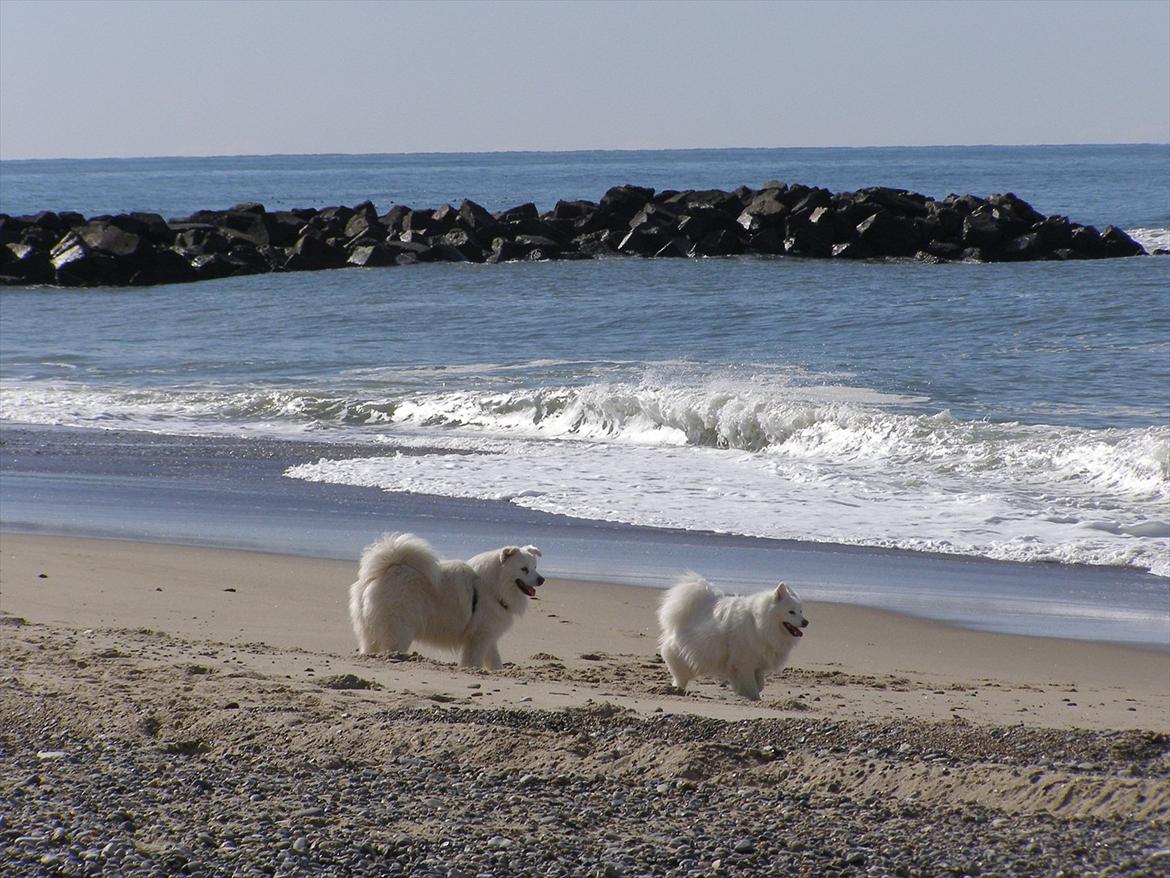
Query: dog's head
[[518, 568], [787, 609]]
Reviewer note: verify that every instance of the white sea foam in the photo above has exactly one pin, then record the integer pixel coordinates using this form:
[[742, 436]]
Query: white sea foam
[[1151, 239], [744, 455]]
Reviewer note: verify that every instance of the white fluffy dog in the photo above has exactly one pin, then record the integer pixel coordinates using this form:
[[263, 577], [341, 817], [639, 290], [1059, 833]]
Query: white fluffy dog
[[737, 639], [405, 593]]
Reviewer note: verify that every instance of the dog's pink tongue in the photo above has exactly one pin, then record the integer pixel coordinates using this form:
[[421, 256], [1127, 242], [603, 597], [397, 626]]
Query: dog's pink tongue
[[793, 630], [526, 588]]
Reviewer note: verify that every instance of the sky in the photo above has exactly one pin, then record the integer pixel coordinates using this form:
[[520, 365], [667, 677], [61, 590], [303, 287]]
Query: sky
[[113, 79]]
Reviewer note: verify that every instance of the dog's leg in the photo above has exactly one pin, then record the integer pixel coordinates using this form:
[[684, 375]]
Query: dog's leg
[[680, 671], [493, 660], [474, 655], [761, 677], [744, 683]]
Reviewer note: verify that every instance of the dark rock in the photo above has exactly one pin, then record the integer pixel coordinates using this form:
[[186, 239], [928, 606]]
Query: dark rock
[[248, 259], [402, 248], [897, 201], [981, 230], [392, 220], [804, 239], [709, 199], [655, 215], [1053, 233], [478, 221], [573, 210], [720, 242], [947, 220], [39, 238], [703, 221], [646, 240], [1015, 208], [150, 226], [537, 227], [889, 235], [852, 250], [372, 256], [11, 228], [363, 225], [1117, 243], [468, 247], [766, 211], [963, 204], [422, 222], [769, 242], [1022, 247], [560, 230], [212, 266], [312, 252], [622, 202], [1086, 242], [167, 266], [202, 239], [23, 264], [113, 241], [526, 211], [600, 243], [253, 207], [442, 252], [674, 247], [504, 250], [445, 218], [945, 250], [813, 199]]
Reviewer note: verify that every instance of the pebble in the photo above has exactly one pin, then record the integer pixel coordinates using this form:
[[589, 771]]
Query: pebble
[[555, 811]]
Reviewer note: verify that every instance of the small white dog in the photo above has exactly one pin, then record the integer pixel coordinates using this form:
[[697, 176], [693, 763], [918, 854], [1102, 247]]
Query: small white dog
[[405, 593], [737, 639]]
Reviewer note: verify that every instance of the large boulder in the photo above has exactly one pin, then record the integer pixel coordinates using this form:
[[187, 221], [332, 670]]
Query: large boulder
[[23, 264], [372, 256], [313, 252], [888, 235], [620, 203], [981, 230], [766, 211], [1118, 243]]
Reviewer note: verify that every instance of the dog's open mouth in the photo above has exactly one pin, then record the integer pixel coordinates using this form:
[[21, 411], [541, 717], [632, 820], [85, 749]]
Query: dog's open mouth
[[526, 588], [793, 630]]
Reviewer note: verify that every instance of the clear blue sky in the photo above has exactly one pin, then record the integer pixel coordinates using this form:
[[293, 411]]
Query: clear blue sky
[[102, 78]]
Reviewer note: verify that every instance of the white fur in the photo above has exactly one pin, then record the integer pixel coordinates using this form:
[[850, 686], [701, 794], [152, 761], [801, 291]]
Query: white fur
[[404, 593], [735, 638]]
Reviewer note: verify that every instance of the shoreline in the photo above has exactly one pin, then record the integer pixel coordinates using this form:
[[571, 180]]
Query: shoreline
[[298, 603], [230, 492], [203, 710]]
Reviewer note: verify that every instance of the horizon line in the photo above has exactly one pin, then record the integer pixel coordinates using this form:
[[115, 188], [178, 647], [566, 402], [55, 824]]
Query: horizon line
[[567, 151]]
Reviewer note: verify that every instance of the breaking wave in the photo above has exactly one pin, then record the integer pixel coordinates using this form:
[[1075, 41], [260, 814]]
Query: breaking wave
[[749, 456]]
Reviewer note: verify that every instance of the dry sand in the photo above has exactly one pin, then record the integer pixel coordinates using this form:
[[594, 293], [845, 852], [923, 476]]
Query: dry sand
[[950, 744]]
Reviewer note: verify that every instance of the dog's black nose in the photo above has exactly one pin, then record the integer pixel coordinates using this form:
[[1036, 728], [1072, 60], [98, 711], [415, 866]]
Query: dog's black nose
[[804, 623], [540, 580]]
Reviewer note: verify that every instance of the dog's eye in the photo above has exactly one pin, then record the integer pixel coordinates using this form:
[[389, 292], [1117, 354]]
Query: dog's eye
[[792, 612], [523, 569]]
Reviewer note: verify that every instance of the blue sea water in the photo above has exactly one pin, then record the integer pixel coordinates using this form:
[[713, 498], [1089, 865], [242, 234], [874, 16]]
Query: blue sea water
[[1019, 412]]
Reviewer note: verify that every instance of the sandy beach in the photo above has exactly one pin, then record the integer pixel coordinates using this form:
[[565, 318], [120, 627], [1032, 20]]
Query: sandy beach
[[172, 709]]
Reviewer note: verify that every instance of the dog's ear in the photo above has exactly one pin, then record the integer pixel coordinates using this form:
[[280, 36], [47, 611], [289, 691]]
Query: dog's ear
[[781, 592], [532, 550], [507, 552]]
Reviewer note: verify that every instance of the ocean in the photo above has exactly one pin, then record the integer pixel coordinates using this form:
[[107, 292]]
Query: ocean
[[1015, 413]]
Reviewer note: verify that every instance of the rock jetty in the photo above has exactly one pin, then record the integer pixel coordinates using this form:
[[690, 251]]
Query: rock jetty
[[138, 249]]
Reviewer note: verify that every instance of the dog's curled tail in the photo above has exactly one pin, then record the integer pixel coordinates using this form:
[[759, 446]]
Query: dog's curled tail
[[403, 549], [680, 602]]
